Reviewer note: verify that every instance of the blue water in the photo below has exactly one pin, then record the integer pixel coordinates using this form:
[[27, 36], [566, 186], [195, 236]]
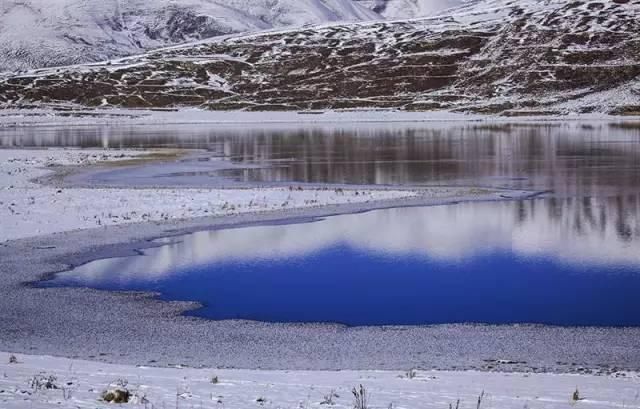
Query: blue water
[[410, 274]]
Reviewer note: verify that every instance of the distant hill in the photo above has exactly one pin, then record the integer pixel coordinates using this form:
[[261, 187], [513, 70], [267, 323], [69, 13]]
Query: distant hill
[[38, 33], [494, 56]]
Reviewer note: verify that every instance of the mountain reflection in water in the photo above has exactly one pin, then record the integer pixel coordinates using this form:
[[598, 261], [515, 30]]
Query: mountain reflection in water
[[571, 158]]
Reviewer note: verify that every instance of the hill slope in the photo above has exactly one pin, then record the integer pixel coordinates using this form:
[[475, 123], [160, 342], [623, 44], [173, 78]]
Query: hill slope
[[37, 33], [494, 56], [404, 9]]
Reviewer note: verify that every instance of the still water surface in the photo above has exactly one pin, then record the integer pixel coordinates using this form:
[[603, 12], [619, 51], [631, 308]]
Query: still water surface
[[563, 262], [569, 158], [570, 260]]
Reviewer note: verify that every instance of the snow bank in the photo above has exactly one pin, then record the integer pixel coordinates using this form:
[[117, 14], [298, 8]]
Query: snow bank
[[10, 118], [29, 209], [80, 384], [25, 117]]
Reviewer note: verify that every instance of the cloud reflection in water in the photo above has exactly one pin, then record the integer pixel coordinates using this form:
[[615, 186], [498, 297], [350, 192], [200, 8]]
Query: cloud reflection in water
[[577, 231]]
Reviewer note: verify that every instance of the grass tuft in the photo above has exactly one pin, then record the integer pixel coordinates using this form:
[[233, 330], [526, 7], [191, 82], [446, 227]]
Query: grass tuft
[[328, 399], [360, 398], [576, 396], [43, 382]]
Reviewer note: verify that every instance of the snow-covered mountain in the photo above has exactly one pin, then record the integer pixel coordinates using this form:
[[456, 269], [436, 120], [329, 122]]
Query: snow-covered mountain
[[508, 56], [402, 9], [37, 33]]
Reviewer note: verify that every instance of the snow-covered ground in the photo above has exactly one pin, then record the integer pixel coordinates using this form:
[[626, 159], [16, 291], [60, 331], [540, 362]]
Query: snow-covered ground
[[10, 118], [43, 116], [29, 209], [81, 384]]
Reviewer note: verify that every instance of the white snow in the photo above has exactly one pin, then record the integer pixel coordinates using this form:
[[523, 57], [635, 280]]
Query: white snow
[[81, 384], [23, 117], [403, 9], [10, 118], [29, 209], [35, 33]]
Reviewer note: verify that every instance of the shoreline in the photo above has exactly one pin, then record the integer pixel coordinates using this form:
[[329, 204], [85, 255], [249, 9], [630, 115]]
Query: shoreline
[[70, 115], [33, 194]]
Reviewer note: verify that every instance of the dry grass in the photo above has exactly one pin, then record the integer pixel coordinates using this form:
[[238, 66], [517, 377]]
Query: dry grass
[[160, 155], [360, 398]]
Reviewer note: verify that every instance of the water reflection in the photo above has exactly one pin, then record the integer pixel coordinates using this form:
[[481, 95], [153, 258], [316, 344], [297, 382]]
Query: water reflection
[[570, 158], [521, 255]]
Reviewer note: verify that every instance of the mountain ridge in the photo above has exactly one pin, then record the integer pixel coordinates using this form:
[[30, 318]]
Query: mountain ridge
[[495, 56], [38, 33]]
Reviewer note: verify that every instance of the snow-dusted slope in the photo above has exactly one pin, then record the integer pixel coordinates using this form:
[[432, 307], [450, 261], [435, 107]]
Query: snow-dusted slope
[[493, 56], [36, 33], [402, 9]]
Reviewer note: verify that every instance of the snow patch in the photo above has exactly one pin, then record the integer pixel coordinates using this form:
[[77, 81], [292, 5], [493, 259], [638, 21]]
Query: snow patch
[[81, 384], [28, 209]]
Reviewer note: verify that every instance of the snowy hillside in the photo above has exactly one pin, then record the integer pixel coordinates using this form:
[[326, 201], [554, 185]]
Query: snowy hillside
[[402, 9], [36, 33], [546, 56]]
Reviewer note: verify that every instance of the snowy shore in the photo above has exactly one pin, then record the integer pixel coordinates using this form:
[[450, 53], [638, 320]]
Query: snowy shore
[[43, 382], [79, 116], [29, 209]]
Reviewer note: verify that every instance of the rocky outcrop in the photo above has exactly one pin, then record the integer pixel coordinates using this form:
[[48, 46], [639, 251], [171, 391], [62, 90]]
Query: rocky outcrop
[[549, 56]]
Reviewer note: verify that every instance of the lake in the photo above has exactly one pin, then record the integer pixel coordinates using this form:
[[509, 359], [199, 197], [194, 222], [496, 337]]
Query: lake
[[561, 262], [571, 158], [572, 258]]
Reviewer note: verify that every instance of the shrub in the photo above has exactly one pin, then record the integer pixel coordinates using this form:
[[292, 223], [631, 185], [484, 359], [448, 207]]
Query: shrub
[[118, 392], [40, 382], [116, 396], [576, 395]]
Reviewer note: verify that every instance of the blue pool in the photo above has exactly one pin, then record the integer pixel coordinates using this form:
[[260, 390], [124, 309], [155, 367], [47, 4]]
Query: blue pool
[[561, 262]]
